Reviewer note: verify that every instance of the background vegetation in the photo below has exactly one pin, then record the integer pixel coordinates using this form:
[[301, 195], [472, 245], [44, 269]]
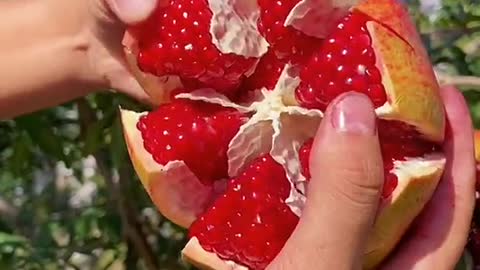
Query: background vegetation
[[69, 198]]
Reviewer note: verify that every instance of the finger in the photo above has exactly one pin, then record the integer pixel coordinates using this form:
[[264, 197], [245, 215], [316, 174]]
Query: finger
[[124, 82], [132, 11], [344, 191], [440, 233]]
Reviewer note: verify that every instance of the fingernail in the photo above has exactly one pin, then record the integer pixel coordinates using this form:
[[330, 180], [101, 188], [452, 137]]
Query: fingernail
[[132, 11], [354, 113]]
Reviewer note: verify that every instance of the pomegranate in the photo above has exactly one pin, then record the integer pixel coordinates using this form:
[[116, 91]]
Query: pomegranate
[[241, 88]]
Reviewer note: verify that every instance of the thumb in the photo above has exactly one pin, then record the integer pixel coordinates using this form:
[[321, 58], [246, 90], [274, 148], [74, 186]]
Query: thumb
[[344, 192], [132, 11]]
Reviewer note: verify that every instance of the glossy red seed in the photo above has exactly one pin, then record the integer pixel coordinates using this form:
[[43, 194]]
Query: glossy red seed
[[195, 132], [304, 155], [266, 73], [347, 62], [253, 230], [286, 42], [176, 40]]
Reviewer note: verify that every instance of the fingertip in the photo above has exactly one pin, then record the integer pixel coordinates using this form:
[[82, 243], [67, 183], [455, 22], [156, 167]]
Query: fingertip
[[349, 127], [132, 11]]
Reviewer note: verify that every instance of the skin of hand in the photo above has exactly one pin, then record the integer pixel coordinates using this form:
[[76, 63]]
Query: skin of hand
[[347, 179], [54, 51]]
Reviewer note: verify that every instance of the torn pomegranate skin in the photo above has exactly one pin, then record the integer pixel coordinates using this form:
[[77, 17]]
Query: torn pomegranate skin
[[345, 62], [193, 131], [251, 222], [176, 40]]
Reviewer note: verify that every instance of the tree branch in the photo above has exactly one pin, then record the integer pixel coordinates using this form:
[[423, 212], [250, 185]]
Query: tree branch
[[471, 82], [452, 31]]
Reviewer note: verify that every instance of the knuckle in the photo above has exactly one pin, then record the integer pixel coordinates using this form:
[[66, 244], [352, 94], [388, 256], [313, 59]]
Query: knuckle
[[360, 183]]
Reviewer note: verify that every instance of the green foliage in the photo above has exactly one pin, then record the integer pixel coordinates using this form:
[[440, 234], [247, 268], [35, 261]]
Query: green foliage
[[97, 216], [88, 216]]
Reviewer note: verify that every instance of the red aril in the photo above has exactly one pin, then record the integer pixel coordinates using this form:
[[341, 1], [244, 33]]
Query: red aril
[[346, 61], [189, 130], [176, 40], [232, 164], [285, 41], [267, 73], [250, 222]]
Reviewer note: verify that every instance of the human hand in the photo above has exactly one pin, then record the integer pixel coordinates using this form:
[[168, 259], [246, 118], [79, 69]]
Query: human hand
[[343, 202], [107, 21]]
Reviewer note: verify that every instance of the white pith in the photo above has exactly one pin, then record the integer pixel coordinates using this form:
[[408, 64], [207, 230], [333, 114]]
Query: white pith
[[234, 28], [194, 251], [307, 15], [274, 128], [414, 168]]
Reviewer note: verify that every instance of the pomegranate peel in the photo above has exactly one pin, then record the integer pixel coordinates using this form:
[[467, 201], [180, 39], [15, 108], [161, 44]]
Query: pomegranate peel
[[477, 145], [234, 28], [199, 257], [307, 15], [417, 180], [395, 16], [414, 100], [173, 188]]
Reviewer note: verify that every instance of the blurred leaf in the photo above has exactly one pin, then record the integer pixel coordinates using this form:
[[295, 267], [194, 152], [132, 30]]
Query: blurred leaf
[[466, 262], [93, 139], [11, 239], [21, 156], [118, 149], [41, 133]]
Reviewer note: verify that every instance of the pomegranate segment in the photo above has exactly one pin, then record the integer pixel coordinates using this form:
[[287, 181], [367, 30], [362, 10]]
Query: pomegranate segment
[[176, 40], [346, 62], [195, 132], [251, 222], [174, 189]]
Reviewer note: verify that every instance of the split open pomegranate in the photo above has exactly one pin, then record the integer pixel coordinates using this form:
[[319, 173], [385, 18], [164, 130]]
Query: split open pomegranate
[[242, 86]]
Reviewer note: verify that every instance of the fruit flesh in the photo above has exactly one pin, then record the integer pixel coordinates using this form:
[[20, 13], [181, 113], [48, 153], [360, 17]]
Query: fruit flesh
[[176, 40], [175, 191], [260, 223], [370, 54], [286, 41], [346, 61], [195, 132]]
